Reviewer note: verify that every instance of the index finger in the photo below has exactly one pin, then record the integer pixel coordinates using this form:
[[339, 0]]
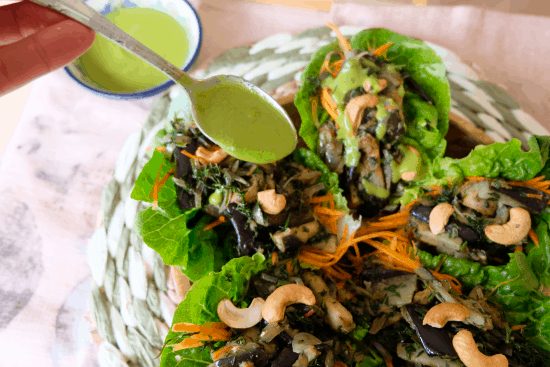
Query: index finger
[[23, 19]]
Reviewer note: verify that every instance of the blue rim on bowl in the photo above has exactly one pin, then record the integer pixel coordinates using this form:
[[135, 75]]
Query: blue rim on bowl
[[105, 7]]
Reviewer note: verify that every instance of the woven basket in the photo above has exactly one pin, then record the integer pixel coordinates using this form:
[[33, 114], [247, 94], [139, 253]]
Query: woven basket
[[134, 294]]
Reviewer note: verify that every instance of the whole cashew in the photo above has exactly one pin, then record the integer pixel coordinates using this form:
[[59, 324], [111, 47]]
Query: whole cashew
[[241, 318], [439, 217], [338, 317], [207, 156], [271, 202], [512, 232], [274, 307], [355, 109], [408, 175], [439, 314], [469, 354]]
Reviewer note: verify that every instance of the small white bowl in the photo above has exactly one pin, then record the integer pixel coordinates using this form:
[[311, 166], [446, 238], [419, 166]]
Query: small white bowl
[[180, 10]]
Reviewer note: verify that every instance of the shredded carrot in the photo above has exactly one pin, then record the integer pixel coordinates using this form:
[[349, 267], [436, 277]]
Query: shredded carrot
[[204, 329], [533, 236], [309, 313], [289, 267], [329, 104], [344, 43], [192, 156], [156, 190], [518, 249], [210, 336], [219, 221], [518, 327], [382, 49], [328, 211], [536, 196], [340, 364], [217, 354], [188, 343], [166, 177], [498, 259], [274, 258], [320, 199]]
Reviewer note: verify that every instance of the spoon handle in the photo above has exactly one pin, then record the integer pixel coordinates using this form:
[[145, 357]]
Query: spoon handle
[[83, 13]]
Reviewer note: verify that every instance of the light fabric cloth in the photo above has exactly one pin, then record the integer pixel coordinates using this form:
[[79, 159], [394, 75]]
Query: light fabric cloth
[[64, 149]]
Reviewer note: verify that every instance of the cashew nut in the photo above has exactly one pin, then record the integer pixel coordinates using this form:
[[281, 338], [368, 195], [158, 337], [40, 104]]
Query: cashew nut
[[271, 202], [207, 156], [408, 175], [355, 109], [439, 314], [275, 305], [382, 84], [512, 232], [439, 217], [241, 318], [467, 351], [338, 317]]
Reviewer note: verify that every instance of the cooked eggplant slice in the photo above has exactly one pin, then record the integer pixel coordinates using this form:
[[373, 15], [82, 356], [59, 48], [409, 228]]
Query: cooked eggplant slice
[[436, 342], [245, 236], [257, 356], [186, 200], [531, 199], [285, 359]]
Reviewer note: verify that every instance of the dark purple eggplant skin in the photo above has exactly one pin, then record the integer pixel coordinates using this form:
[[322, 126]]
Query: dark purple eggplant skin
[[436, 342], [422, 212], [245, 236], [184, 169], [519, 193], [285, 359], [258, 356]]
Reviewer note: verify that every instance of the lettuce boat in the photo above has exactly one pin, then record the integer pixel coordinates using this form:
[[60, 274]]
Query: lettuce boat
[[376, 111], [205, 207]]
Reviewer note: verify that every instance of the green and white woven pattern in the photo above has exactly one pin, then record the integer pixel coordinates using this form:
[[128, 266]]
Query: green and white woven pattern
[[132, 303]]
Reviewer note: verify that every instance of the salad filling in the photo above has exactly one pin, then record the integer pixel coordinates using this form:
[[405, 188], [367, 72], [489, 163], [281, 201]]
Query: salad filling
[[374, 124], [294, 317]]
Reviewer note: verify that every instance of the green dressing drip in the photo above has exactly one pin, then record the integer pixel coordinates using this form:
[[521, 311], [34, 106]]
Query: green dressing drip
[[375, 190], [410, 162]]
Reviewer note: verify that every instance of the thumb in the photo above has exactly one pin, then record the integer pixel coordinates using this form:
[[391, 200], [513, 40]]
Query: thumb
[[42, 52]]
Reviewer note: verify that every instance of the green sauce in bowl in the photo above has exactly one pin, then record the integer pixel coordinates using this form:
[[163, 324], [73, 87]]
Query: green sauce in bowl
[[115, 69]]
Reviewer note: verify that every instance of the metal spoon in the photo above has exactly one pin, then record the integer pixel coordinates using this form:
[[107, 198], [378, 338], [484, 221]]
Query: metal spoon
[[271, 142]]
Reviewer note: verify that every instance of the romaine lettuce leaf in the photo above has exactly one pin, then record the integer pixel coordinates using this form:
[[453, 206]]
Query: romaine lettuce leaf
[[312, 161], [165, 234], [201, 302], [507, 160]]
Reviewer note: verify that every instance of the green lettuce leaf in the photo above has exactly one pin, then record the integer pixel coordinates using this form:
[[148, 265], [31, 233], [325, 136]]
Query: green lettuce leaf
[[308, 92], [201, 302], [419, 60], [312, 161], [507, 160], [155, 169], [539, 256], [513, 286], [422, 126], [166, 235]]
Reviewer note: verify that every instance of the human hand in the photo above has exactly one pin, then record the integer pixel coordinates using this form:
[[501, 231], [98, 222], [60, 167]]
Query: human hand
[[35, 40]]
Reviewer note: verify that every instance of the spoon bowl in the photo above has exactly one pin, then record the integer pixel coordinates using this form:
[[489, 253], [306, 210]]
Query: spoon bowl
[[238, 116]]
